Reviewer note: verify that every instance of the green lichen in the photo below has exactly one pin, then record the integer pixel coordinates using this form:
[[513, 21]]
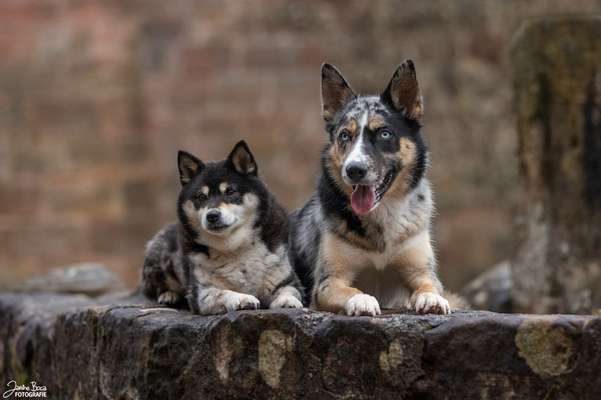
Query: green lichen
[[547, 349], [273, 348], [391, 359]]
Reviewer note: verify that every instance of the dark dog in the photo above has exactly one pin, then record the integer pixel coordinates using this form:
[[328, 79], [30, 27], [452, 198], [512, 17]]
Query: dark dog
[[229, 249], [363, 239]]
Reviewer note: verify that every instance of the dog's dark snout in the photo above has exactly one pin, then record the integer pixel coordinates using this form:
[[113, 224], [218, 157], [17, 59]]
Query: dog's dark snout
[[356, 171], [213, 216]]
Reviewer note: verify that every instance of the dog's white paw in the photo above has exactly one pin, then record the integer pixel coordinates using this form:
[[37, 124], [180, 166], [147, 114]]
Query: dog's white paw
[[286, 301], [430, 303], [168, 298], [362, 304], [240, 301]]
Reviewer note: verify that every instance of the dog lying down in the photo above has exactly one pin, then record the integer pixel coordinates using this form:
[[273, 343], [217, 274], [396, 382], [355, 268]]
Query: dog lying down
[[228, 249]]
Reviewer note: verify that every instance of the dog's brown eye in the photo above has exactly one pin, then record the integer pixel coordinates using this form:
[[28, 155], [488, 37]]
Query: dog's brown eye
[[230, 191], [344, 135], [201, 196]]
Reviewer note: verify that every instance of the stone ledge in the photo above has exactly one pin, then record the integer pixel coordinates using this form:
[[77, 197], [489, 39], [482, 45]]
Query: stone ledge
[[125, 348]]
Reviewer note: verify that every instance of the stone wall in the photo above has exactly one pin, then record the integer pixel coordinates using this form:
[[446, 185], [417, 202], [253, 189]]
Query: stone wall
[[123, 348], [97, 96], [557, 79]]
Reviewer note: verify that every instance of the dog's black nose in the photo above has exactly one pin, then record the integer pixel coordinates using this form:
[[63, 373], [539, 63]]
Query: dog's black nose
[[356, 171], [213, 216]]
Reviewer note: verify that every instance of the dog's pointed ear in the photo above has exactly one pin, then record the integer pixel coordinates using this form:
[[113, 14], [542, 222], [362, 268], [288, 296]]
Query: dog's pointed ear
[[403, 93], [242, 159], [188, 166], [335, 92]]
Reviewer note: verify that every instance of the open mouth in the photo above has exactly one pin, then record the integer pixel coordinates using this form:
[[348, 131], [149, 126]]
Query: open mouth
[[366, 197]]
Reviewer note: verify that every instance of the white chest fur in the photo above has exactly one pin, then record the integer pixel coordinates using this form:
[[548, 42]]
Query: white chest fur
[[246, 270], [405, 228], [403, 221]]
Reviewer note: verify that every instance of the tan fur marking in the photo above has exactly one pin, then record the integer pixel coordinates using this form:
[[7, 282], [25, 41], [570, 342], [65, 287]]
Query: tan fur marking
[[223, 187], [334, 297], [407, 151], [342, 229], [335, 156], [351, 126], [334, 166], [335, 291], [416, 265], [205, 190], [226, 206], [407, 155], [376, 122], [192, 215]]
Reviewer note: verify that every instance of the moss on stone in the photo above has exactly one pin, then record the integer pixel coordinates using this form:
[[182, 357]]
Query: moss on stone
[[547, 349]]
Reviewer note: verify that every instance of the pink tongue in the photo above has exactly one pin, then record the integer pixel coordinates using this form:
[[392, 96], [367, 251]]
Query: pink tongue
[[363, 199]]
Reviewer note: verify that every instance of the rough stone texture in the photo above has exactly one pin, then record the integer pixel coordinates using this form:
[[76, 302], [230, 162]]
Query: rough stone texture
[[557, 79], [88, 278], [127, 349]]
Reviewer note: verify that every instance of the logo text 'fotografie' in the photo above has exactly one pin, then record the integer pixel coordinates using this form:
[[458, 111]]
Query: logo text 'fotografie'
[[31, 390]]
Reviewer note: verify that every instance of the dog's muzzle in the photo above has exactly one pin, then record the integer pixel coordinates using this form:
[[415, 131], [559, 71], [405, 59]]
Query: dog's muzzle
[[213, 220], [356, 172]]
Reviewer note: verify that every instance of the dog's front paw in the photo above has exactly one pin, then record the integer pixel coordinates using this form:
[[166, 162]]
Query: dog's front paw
[[286, 301], [430, 303], [239, 301], [168, 298], [362, 304]]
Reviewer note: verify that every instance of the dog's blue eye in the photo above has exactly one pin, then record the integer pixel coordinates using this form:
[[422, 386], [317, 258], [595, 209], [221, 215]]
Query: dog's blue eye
[[385, 134], [344, 136]]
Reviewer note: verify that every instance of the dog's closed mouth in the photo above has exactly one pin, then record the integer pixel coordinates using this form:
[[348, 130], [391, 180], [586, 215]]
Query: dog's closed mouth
[[217, 228]]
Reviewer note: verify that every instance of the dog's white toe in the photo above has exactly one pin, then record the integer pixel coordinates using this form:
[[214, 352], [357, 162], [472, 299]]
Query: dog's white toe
[[286, 302], [362, 304], [240, 301], [168, 298], [431, 303]]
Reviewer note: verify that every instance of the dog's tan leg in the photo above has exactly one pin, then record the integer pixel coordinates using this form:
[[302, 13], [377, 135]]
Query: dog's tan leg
[[417, 265], [333, 293], [334, 275]]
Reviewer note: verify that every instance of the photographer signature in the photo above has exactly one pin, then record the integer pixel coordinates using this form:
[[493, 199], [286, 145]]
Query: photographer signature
[[29, 390]]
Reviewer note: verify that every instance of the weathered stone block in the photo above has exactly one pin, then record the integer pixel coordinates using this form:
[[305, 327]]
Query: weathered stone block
[[125, 348], [557, 80]]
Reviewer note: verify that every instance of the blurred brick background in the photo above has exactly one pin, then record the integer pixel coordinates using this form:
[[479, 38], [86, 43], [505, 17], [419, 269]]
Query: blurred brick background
[[97, 96]]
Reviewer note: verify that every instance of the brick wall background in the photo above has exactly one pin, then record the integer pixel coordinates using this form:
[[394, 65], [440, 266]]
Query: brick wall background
[[97, 96]]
